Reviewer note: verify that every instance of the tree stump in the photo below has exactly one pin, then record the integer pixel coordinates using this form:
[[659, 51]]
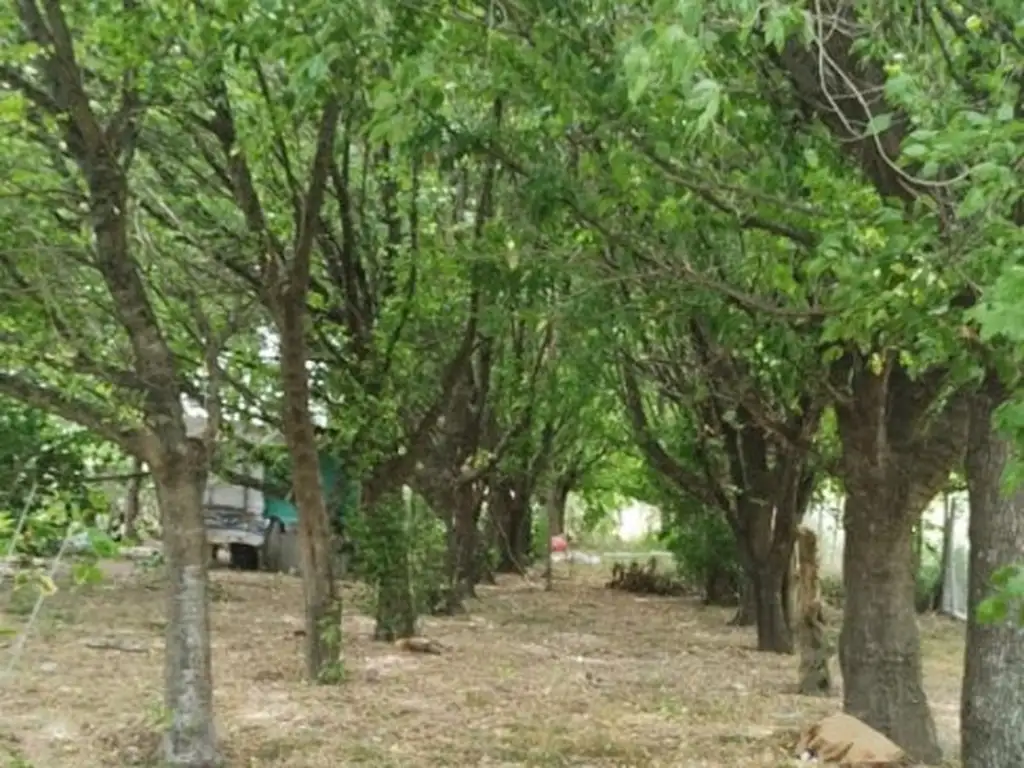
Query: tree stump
[[812, 642]]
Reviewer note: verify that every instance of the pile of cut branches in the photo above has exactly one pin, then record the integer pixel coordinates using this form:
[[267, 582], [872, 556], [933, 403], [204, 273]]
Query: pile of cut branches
[[644, 580]]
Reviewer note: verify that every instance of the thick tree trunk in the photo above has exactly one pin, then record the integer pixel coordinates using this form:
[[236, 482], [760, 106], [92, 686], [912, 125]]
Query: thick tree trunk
[[897, 455], [769, 584], [992, 707], [322, 606], [879, 645], [765, 537], [190, 740]]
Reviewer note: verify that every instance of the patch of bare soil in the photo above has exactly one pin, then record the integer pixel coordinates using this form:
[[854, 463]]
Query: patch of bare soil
[[583, 676]]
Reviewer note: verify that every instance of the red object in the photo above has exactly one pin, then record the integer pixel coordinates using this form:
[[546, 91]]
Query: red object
[[559, 544]]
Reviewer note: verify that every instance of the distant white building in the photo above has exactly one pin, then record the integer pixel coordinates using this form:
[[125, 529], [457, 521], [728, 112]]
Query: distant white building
[[637, 520]]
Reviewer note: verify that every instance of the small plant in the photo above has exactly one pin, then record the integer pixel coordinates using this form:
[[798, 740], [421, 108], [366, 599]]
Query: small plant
[[402, 548], [832, 590]]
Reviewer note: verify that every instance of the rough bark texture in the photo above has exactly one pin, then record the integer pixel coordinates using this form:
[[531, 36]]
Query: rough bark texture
[[190, 740], [815, 651], [896, 458], [322, 606], [992, 707]]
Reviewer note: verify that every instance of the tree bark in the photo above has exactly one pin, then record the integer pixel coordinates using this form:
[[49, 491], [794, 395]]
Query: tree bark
[[510, 509], [879, 645], [133, 501], [815, 677], [180, 476], [946, 558], [992, 705], [746, 611], [322, 606], [898, 452], [467, 539], [769, 588], [560, 499]]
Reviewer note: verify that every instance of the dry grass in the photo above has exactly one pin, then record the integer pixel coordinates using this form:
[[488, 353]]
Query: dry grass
[[582, 676]]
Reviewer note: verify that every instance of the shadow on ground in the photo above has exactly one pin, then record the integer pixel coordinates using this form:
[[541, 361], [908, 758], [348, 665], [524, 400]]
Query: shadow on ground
[[583, 676]]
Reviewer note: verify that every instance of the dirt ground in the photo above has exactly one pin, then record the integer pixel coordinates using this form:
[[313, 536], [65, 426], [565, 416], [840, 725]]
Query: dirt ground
[[582, 676]]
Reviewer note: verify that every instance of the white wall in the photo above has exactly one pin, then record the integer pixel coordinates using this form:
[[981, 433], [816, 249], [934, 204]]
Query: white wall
[[825, 518]]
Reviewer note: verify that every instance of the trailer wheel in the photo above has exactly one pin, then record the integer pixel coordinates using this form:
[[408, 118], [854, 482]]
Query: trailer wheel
[[245, 557]]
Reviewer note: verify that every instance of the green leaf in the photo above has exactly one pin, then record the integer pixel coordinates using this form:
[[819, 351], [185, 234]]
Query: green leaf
[[974, 202], [879, 123], [775, 30]]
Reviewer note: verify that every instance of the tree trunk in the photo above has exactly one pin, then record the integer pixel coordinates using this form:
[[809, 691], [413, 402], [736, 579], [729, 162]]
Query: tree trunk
[[879, 645], [560, 499], [396, 604], [815, 677], [946, 559], [898, 451], [511, 523], [765, 539], [190, 740], [769, 585], [133, 501], [555, 505], [322, 606], [918, 546], [746, 612], [467, 538], [992, 706]]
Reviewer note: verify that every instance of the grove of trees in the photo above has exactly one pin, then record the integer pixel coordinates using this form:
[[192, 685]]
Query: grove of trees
[[716, 252]]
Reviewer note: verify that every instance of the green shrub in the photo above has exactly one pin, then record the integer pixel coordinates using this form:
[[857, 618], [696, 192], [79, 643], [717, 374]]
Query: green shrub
[[703, 547], [832, 590]]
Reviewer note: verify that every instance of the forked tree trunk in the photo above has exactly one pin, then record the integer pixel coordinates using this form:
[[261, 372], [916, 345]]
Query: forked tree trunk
[[897, 455], [190, 740], [322, 606], [992, 707], [766, 541]]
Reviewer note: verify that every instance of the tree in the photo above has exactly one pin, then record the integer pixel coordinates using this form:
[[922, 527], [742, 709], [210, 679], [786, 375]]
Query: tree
[[74, 142]]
